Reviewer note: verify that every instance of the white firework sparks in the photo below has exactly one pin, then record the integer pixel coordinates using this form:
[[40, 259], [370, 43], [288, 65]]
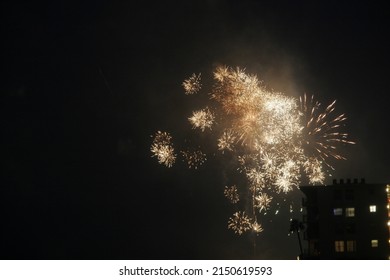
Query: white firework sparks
[[262, 201], [257, 228], [194, 158], [226, 141], [202, 119], [239, 223], [231, 193], [274, 138], [193, 84], [162, 148]]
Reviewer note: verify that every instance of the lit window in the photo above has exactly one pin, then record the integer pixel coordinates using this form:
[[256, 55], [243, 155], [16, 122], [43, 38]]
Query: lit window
[[372, 208], [374, 243], [337, 211], [350, 212], [351, 245], [339, 245]]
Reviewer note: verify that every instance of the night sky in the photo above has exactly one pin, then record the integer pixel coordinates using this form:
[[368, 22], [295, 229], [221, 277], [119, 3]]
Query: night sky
[[86, 83]]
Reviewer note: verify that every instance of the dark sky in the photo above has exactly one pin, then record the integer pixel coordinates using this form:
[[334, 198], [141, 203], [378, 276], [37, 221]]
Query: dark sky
[[86, 83]]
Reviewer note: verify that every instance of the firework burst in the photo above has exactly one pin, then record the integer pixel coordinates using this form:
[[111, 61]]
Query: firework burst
[[226, 141], [202, 119], [276, 140], [162, 148], [193, 84], [322, 130], [262, 201], [239, 223], [231, 193], [256, 227], [193, 158]]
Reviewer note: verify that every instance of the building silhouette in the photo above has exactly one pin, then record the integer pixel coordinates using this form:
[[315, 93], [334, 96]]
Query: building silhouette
[[347, 220]]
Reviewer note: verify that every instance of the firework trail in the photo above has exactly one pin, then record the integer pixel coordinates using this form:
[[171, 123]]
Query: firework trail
[[276, 140], [321, 130]]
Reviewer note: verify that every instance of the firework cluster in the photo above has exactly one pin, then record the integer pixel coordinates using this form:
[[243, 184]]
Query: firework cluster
[[162, 148], [276, 140]]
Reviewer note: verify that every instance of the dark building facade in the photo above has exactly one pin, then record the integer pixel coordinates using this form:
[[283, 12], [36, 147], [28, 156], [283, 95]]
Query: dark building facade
[[347, 220]]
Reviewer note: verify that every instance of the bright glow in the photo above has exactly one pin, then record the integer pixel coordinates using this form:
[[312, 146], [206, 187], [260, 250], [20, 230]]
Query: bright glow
[[374, 243], [372, 208], [257, 228], [262, 201]]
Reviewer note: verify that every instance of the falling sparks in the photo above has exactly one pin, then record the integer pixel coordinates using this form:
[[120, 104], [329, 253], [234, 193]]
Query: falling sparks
[[322, 129], [273, 139], [194, 159], [239, 223], [193, 84], [231, 194]]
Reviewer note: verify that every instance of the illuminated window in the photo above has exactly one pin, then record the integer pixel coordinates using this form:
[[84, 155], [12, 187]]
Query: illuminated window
[[351, 246], [374, 243], [339, 245], [372, 208], [350, 212], [337, 211]]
